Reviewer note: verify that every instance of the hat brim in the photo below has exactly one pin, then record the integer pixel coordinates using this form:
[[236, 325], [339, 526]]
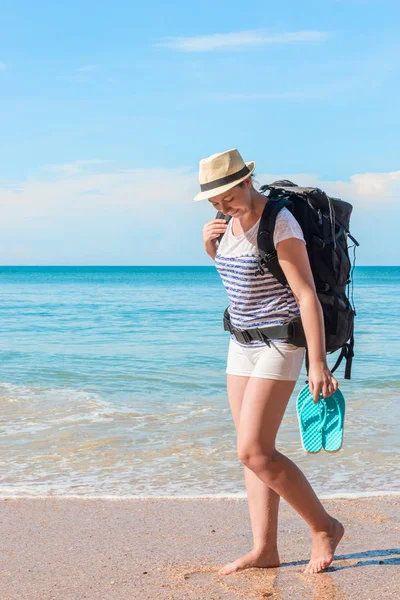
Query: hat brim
[[224, 188]]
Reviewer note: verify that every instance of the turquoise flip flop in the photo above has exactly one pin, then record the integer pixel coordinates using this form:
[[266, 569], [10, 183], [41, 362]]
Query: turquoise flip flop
[[311, 418], [332, 432]]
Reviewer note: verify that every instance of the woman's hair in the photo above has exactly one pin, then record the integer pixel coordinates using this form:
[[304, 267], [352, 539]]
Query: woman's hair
[[253, 180]]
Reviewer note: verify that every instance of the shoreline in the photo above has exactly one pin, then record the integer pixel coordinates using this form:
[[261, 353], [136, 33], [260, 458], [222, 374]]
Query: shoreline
[[63, 548], [242, 496]]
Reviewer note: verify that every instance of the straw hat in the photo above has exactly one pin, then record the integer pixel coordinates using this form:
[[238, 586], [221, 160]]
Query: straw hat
[[220, 172]]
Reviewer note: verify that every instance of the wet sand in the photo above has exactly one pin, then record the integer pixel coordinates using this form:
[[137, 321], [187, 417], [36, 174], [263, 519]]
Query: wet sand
[[171, 549]]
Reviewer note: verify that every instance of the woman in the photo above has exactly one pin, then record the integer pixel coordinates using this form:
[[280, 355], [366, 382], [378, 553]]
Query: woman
[[261, 376]]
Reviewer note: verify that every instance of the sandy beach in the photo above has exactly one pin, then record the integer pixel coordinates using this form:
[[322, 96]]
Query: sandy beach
[[171, 549]]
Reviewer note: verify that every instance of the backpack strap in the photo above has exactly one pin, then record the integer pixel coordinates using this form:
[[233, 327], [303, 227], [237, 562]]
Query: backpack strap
[[346, 352], [349, 357], [220, 215], [268, 256]]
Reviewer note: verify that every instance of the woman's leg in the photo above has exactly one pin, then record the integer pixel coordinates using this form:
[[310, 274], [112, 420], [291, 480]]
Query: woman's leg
[[262, 500], [264, 404]]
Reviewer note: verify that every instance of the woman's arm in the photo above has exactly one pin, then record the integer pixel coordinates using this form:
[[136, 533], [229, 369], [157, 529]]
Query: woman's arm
[[293, 259]]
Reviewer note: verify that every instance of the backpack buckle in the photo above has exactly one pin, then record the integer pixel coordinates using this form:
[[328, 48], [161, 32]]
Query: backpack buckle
[[227, 322], [262, 337], [260, 265], [242, 336]]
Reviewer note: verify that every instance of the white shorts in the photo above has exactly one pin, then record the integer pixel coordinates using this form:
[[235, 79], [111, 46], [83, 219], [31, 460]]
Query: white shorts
[[278, 361]]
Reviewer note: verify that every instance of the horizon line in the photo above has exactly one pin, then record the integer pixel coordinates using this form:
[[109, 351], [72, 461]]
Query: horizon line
[[145, 266]]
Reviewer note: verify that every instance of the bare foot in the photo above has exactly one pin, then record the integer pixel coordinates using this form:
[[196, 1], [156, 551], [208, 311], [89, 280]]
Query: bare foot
[[324, 544], [254, 558]]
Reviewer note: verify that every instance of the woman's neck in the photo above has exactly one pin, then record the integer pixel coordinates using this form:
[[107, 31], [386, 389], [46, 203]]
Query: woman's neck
[[257, 203]]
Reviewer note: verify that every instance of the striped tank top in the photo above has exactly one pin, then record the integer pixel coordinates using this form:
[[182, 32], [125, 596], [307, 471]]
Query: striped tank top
[[255, 300]]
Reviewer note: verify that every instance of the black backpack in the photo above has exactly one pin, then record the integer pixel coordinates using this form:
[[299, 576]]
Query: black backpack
[[325, 223]]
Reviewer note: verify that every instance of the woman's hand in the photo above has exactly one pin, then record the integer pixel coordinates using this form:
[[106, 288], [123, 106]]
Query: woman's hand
[[321, 379], [211, 231]]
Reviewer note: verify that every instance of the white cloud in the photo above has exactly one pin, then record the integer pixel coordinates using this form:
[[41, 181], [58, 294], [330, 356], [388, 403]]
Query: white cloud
[[147, 216], [365, 191], [78, 166], [154, 191], [241, 39], [370, 188], [3, 66], [137, 216], [125, 193]]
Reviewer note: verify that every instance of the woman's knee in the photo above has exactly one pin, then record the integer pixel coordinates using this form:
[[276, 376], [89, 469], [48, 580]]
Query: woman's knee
[[258, 459]]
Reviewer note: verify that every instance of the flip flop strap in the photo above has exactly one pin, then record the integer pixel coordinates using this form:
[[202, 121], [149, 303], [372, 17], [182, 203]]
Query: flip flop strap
[[322, 407], [339, 413], [338, 410]]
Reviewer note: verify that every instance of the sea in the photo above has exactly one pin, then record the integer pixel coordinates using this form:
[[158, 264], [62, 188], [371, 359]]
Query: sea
[[113, 384]]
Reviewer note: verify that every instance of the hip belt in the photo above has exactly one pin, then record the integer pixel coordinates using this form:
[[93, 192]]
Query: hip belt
[[291, 330]]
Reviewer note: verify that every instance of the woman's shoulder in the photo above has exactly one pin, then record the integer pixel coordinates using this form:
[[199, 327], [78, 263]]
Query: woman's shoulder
[[285, 218], [284, 214], [286, 225]]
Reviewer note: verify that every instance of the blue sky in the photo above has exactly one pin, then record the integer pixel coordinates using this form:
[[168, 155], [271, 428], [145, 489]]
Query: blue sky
[[107, 108]]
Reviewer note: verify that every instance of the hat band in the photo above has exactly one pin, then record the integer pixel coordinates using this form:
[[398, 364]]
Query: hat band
[[205, 187]]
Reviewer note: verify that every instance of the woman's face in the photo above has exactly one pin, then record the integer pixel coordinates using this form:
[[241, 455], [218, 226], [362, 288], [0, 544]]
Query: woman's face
[[235, 202]]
